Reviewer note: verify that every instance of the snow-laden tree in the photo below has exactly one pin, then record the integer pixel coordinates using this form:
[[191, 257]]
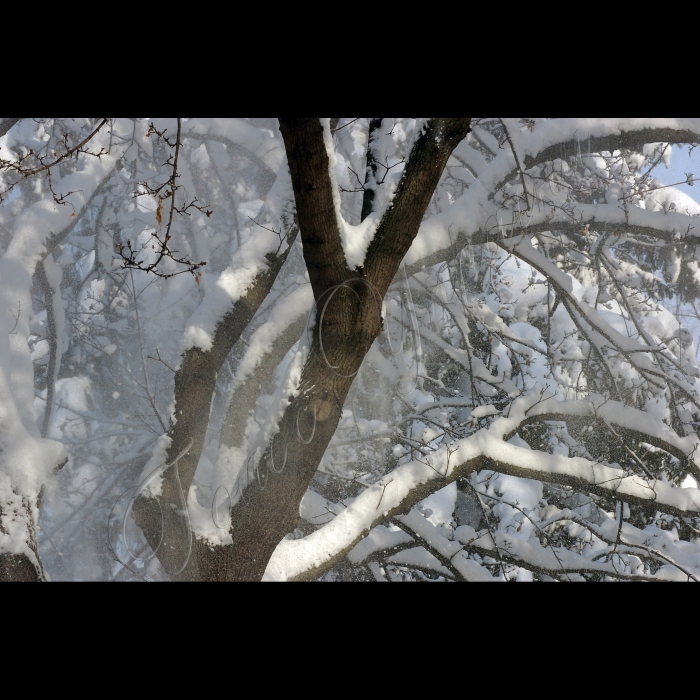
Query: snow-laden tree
[[392, 349]]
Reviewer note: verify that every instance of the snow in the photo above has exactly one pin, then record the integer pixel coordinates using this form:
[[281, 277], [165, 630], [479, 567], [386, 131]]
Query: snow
[[297, 304], [419, 556], [355, 239], [473, 214], [316, 509], [291, 558], [53, 277], [26, 459], [246, 264], [550, 133], [151, 475], [33, 228], [264, 145], [483, 411], [494, 402], [522, 246], [379, 539]]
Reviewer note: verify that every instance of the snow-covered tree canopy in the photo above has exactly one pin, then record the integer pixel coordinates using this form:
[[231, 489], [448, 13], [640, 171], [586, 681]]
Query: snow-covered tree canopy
[[351, 349]]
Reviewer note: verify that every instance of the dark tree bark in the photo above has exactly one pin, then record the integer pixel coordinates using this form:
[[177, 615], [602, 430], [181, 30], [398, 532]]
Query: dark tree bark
[[347, 322], [17, 567], [163, 523]]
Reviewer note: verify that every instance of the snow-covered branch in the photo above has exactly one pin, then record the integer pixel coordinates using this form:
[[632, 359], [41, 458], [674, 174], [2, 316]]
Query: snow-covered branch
[[412, 482]]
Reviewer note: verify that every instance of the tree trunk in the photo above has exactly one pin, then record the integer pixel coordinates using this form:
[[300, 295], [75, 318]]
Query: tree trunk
[[17, 567], [347, 322]]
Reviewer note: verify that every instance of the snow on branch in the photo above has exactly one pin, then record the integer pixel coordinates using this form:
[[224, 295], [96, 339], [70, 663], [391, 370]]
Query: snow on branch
[[486, 449], [551, 139], [46, 219], [270, 234], [477, 216], [595, 329]]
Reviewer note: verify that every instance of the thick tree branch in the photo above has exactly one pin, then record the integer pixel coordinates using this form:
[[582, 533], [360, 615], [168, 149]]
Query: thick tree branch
[[625, 140], [400, 223], [320, 234], [195, 381]]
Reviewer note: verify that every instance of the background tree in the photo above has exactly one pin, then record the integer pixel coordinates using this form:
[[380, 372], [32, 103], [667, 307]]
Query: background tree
[[456, 352]]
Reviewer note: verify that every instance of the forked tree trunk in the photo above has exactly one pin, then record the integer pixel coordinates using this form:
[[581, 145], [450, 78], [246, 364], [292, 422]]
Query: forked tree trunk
[[347, 322]]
